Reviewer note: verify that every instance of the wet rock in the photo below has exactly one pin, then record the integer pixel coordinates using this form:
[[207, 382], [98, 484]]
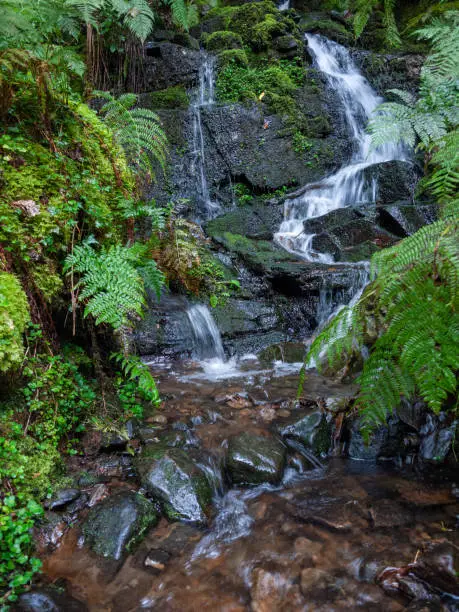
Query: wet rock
[[267, 414], [403, 218], [412, 413], [439, 567], [156, 560], [62, 498], [254, 459], [97, 493], [396, 180], [437, 436], [47, 600], [167, 64], [389, 513], [315, 580], [50, 531], [118, 523], [78, 505], [312, 430], [173, 479], [386, 442]]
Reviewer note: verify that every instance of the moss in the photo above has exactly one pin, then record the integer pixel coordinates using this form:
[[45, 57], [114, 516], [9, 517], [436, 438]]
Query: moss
[[222, 41], [236, 56], [14, 316], [327, 27], [172, 97]]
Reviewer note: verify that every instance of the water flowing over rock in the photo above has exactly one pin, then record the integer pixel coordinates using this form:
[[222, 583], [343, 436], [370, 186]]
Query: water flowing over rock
[[255, 459], [352, 185]]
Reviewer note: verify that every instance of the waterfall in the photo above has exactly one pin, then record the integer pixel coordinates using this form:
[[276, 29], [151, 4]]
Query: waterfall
[[207, 342], [349, 186], [203, 97], [284, 6]]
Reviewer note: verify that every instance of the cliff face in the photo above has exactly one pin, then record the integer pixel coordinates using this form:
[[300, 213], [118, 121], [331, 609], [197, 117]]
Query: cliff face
[[251, 121]]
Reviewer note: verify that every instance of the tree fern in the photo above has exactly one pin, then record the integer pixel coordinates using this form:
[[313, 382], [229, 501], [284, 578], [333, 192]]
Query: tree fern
[[137, 130]]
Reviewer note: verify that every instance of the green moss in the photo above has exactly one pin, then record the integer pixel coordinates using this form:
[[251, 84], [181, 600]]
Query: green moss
[[237, 83], [327, 27], [222, 41], [235, 56], [14, 316], [172, 97]]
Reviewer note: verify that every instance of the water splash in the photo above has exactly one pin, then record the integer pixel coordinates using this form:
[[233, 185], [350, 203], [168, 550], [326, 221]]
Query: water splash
[[350, 186]]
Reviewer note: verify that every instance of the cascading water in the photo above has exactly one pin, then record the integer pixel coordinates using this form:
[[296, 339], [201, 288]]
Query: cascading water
[[349, 186], [204, 97], [284, 6], [207, 342]]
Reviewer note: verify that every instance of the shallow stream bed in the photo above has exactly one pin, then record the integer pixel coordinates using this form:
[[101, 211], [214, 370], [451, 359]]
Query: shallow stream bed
[[334, 534]]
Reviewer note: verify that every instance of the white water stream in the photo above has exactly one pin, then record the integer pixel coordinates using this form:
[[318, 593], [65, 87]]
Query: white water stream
[[204, 97], [349, 186]]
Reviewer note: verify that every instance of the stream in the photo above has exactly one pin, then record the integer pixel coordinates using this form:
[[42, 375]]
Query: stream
[[332, 534]]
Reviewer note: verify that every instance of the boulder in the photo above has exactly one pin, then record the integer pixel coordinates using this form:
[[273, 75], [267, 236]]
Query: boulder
[[167, 64], [172, 478], [118, 523], [254, 459], [404, 219], [62, 498], [396, 180], [312, 430], [48, 600]]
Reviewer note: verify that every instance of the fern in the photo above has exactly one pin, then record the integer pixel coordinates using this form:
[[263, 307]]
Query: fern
[[137, 131], [413, 300], [134, 369], [363, 10], [112, 284]]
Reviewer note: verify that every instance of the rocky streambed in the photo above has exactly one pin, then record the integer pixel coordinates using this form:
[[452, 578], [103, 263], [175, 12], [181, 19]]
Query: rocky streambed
[[233, 497]]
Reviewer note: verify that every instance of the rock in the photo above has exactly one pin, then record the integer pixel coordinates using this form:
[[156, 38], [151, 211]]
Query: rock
[[437, 436], [271, 591], [267, 414], [78, 505], [287, 45], [99, 492], [389, 513], [47, 600], [315, 580], [167, 64], [312, 430], [389, 71], [396, 180], [50, 531], [386, 442], [173, 479], [156, 560], [62, 498], [254, 459], [439, 567], [115, 525], [403, 218]]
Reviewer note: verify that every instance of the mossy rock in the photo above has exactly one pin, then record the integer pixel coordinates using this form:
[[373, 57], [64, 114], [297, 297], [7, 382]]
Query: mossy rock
[[222, 41], [327, 27], [172, 97], [115, 525], [238, 57]]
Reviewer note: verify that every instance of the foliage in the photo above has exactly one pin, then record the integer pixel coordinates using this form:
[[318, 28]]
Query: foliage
[[172, 97], [408, 316], [363, 11], [238, 83], [223, 41], [112, 281], [136, 130], [14, 316], [242, 193], [301, 144], [138, 381]]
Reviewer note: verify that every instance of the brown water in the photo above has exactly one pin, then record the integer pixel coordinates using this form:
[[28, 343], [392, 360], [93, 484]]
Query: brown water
[[323, 540]]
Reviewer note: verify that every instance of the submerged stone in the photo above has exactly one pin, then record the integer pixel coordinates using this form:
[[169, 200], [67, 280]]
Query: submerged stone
[[118, 523], [47, 600], [174, 480], [254, 459]]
